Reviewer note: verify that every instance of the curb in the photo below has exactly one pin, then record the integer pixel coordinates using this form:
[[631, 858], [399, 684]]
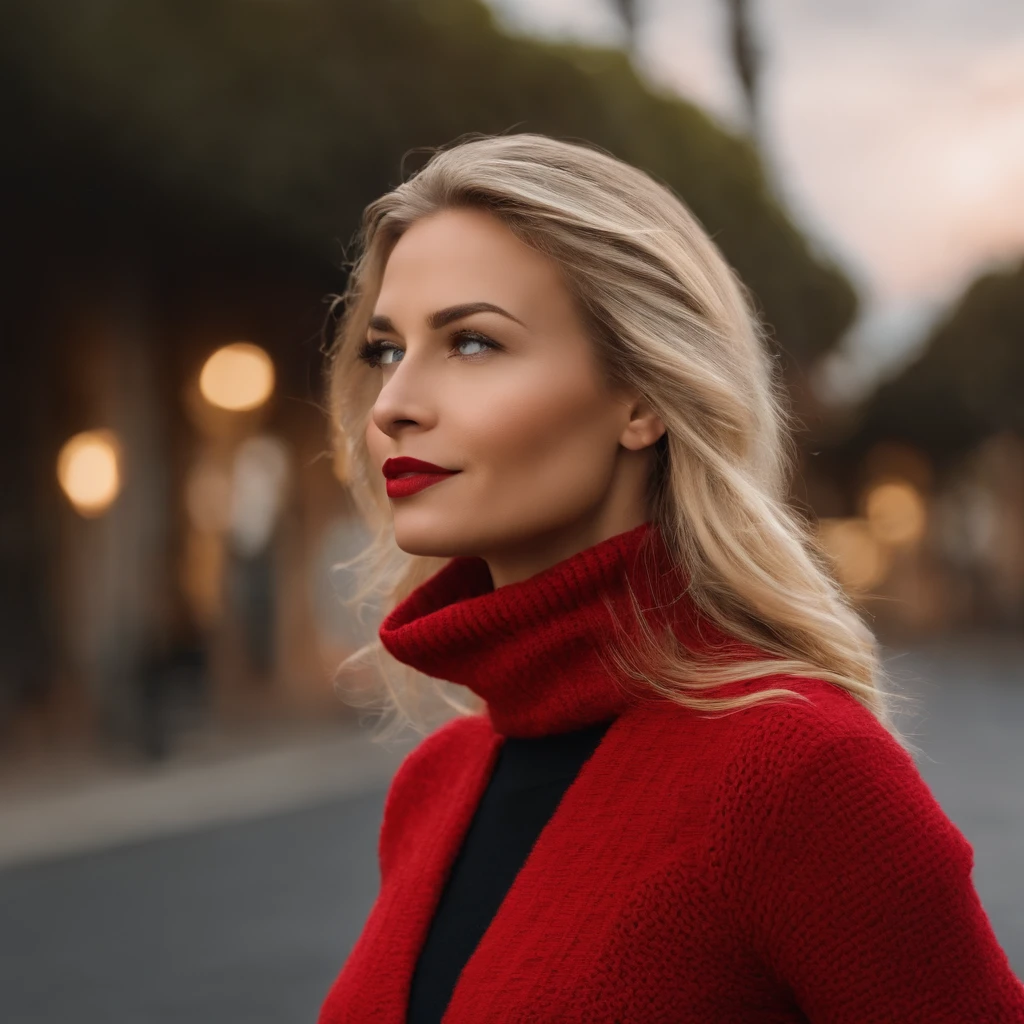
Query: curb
[[131, 805]]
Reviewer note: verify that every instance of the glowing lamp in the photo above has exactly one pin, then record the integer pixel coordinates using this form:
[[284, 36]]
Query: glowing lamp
[[896, 512], [237, 377], [89, 471], [861, 562]]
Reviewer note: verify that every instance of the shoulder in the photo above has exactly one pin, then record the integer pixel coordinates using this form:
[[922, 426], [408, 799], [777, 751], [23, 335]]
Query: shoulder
[[731, 767], [836, 865], [827, 772], [808, 757], [830, 741], [784, 735], [792, 718], [819, 710], [789, 743]]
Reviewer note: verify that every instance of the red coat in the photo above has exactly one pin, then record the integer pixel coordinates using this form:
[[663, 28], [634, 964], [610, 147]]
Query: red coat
[[784, 863]]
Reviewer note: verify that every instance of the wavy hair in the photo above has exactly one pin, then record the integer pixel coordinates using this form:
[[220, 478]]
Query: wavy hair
[[668, 317]]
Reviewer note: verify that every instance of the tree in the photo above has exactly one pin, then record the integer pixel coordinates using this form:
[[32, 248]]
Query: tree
[[746, 59], [297, 114], [968, 381], [627, 11]]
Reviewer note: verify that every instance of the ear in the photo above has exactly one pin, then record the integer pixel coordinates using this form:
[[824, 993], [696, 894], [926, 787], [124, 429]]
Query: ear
[[644, 426]]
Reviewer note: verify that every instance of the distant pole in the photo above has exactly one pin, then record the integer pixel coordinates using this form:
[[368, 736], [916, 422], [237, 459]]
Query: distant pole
[[746, 58], [627, 10]]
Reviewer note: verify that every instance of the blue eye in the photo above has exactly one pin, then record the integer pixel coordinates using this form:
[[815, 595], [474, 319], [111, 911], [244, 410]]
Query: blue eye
[[471, 337], [373, 349]]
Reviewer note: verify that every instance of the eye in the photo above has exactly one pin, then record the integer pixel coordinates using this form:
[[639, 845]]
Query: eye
[[371, 351], [374, 351], [461, 338]]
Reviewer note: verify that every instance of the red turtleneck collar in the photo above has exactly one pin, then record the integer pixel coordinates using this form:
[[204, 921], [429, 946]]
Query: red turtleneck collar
[[532, 649]]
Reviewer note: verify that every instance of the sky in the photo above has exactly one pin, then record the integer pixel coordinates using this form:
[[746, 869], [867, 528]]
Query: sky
[[894, 129]]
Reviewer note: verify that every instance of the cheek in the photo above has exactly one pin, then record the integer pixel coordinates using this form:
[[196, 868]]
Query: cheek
[[553, 428]]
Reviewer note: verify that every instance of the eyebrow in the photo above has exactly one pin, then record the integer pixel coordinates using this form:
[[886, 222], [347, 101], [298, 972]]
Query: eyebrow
[[443, 317]]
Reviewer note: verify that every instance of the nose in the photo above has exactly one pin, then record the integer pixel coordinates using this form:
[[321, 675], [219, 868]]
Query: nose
[[404, 400]]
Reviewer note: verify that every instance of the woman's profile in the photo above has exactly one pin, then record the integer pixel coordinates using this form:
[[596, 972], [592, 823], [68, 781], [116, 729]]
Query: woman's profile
[[674, 790]]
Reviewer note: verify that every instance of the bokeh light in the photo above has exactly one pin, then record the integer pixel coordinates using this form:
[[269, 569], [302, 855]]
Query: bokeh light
[[861, 562], [237, 377], [896, 512], [89, 471]]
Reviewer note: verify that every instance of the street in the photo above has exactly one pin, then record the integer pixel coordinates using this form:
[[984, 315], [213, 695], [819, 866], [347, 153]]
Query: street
[[250, 921], [245, 922]]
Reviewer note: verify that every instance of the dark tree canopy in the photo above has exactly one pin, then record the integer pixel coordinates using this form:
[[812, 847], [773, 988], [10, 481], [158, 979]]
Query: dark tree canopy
[[968, 382], [295, 114]]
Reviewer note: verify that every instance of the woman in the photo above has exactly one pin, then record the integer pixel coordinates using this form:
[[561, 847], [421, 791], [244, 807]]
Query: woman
[[676, 792]]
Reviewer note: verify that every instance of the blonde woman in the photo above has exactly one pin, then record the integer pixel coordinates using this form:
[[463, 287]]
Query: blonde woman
[[674, 791]]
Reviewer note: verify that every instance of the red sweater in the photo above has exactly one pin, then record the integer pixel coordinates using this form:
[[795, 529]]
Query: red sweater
[[785, 863]]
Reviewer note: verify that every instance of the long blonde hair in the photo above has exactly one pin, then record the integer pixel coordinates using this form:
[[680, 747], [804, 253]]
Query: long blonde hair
[[668, 317]]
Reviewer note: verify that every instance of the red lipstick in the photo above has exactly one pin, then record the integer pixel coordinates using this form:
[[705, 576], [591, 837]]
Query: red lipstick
[[406, 475]]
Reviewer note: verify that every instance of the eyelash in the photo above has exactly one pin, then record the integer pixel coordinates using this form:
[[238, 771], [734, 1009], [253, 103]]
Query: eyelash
[[372, 349]]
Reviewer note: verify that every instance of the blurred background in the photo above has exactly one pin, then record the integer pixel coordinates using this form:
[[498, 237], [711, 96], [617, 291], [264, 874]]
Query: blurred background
[[188, 811]]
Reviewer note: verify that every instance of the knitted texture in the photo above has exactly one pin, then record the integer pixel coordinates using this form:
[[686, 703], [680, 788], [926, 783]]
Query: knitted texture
[[536, 650], [781, 864]]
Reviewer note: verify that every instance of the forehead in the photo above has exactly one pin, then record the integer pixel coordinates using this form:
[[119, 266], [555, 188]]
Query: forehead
[[465, 255]]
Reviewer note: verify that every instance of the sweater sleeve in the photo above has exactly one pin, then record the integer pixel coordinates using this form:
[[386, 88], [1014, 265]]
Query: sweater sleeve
[[854, 889]]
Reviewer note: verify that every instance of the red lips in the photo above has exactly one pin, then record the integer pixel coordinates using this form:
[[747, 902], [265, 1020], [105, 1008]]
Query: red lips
[[423, 474], [404, 464]]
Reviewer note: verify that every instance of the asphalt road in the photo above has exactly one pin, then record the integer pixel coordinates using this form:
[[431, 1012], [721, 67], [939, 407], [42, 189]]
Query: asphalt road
[[249, 922]]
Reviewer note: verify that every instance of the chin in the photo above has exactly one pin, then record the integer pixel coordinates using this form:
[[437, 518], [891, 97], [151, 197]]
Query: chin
[[439, 540]]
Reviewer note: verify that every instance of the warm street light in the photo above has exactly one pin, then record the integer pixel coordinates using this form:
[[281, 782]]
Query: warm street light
[[89, 472], [896, 512], [237, 377], [860, 561]]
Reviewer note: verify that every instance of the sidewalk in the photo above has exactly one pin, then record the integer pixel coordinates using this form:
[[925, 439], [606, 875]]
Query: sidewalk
[[93, 805]]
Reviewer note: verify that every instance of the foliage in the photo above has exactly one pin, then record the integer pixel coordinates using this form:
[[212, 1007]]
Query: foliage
[[968, 382], [297, 113]]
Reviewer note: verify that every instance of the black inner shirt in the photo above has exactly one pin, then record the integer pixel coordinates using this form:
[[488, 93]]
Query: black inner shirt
[[529, 780]]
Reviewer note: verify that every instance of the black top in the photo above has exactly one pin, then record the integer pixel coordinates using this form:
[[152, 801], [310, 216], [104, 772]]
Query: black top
[[529, 779]]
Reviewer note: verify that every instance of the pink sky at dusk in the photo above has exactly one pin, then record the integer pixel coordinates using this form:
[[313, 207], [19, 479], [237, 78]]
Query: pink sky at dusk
[[895, 132]]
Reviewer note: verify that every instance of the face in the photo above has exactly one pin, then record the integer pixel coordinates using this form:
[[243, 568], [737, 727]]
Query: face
[[550, 459]]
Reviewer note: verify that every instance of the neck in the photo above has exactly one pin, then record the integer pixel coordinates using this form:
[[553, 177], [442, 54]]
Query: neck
[[524, 559], [536, 650]]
